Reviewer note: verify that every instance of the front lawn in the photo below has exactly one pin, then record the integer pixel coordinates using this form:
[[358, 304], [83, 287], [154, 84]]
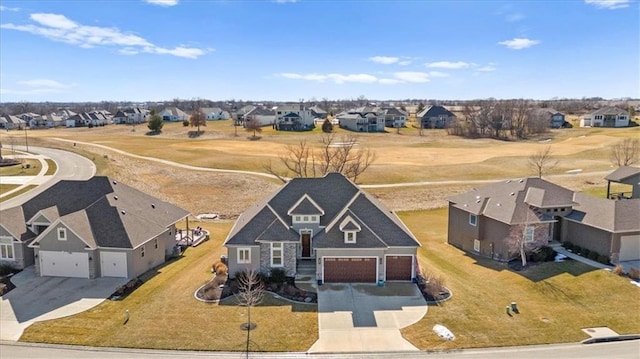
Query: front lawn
[[555, 300], [165, 315]]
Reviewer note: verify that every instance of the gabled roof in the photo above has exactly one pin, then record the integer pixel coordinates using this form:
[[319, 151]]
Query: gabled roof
[[291, 115], [338, 199], [175, 112], [208, 110], [11, 119], [393, 111], [13, 220], [105, 212], [609, 111], [610, 215], [622, 173], [510, 201], [317, 109], [434, 111], [259, 111]]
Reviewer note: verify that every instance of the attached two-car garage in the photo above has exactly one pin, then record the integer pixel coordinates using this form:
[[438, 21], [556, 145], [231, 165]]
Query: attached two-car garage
[[365, 269], [64, 264]]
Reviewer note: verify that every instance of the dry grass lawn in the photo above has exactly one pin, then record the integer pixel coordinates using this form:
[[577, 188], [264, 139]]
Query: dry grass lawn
[[555, 300], [165, 315]]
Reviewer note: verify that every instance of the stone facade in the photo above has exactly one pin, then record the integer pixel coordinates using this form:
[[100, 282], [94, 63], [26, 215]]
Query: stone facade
[[289, 257]]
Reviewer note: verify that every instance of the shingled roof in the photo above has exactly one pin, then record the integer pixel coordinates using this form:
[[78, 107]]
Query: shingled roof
[[623, 173], [104, 212], [602, 213], [338, 198]]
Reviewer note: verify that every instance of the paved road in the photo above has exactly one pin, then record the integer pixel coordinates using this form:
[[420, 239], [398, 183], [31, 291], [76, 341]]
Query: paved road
[[71, 166], [618, 350]]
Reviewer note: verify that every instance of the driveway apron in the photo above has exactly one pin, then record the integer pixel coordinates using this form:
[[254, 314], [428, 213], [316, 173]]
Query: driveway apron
[[365, 317]]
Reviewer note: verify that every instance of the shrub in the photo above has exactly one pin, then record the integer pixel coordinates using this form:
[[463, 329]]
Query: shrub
[[278, 275], [544, 254], [6, 268], [222, 269], [585, 252], [577, 249], [619, 270], [634, 273], [327, 126], [593, 255], [185, 123], [567, 245], [433, 284], [603, 259]]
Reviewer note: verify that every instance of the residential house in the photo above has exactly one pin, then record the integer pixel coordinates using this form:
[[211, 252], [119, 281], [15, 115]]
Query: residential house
[[89, 229], [394, 117], [65, 114], [173, 114], [626, 175], [434, 116], [329, 223], [317, 112], [293, 118], [10, 122], [46, 121], [481, 220], [87, 119], [27, 117], [215, 113], [131, 116], [550, 116], [264, 116], [606, 117], [363, 119]]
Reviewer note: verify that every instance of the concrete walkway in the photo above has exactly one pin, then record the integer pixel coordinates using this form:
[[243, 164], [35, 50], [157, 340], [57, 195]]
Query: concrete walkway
[[366, 318], [24, 181], [560, 249]]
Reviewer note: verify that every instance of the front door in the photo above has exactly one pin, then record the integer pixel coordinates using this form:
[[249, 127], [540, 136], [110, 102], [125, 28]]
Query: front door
[[306, 245]]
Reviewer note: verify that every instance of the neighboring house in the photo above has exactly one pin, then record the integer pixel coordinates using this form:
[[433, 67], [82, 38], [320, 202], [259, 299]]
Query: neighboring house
[[394, 117], [363, 119], [627, 175], [215, 113], [46, 121], [264, 116], [293, 118], [435, 117], [606, 117], [318, 112], [27, 117], [89, 229], [173, 114], [328, 223], [481, 220], [65, 114], [9, 122], [131, 116], [84, 119], [552, 117]]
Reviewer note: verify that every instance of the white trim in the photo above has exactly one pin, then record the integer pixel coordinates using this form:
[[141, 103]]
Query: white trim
[[310, 232], [8, 245], [413, 264], [475, 219], [310, 200], [36, 242], [377, 260], [272, 249], [529, 237], [246, 260], [346, 237], [63, 231], [476, 245]]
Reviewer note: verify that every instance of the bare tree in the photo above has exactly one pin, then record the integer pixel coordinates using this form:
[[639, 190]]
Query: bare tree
[[542, 161], [302, 160], [198, 118], [626, 152], [250, 290], [252, 124], [525, 238]]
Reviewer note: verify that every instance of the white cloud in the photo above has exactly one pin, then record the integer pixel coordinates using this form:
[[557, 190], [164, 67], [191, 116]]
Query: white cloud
[[488, 68], [449, 65], [38, 86], [385, 60], [389, 81], [60, 28], [519, 43], [396, 77], [412, 76], [165, 3], [285, 1], [514, 17], [45, 83], [404, 62], [5, 8], [608, 4], [362, 78], [438, 74]]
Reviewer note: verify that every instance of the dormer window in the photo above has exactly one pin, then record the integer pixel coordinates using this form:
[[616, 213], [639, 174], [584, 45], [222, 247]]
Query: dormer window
[[350, 237], [62, 234]]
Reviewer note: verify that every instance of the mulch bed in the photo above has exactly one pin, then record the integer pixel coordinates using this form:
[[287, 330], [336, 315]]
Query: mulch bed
[[222, 286], [125, 290], [6, 285]]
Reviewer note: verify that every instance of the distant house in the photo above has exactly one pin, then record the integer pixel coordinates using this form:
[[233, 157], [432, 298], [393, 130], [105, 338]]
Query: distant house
[[131, 116], [480, 220], [606, 117], [47, 121], [326, 223], [318, 112], [173, 114], [87, 119], [89, 229], [394, 117], [27, 117], [363, 119], [293, 118], [9, 122], [215, 113], [264, 116], [550, 116], [435, 117], [64, 113]]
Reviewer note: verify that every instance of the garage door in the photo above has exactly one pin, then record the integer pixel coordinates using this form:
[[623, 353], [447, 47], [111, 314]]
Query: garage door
[[113, 264], [64, 264], [344, 270], [398, 267], [629, 248]]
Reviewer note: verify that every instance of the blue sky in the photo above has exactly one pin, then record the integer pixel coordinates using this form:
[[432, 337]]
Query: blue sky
[[289, 50]]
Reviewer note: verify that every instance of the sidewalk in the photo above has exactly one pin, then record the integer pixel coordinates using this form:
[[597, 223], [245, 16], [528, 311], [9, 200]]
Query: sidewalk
[[24, 181]]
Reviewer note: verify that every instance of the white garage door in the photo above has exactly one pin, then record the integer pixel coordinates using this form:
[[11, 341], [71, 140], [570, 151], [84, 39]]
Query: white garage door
[[113, 264], [64, 264], [629, 248]]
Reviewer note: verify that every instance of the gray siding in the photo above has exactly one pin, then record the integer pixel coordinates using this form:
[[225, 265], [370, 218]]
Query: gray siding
[[588, 237], [153, 257], [460, 233], [235, 267], [50, 241]]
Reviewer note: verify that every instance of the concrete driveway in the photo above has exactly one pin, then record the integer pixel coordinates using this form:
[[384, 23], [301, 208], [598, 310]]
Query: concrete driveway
[[42, 298], [365, 317]]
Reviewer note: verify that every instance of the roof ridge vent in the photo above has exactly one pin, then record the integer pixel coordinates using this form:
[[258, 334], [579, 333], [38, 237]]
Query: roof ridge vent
[[153, 205], [123, 212], [115, 197], [521, 180], [512, 194], [508, 181]]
